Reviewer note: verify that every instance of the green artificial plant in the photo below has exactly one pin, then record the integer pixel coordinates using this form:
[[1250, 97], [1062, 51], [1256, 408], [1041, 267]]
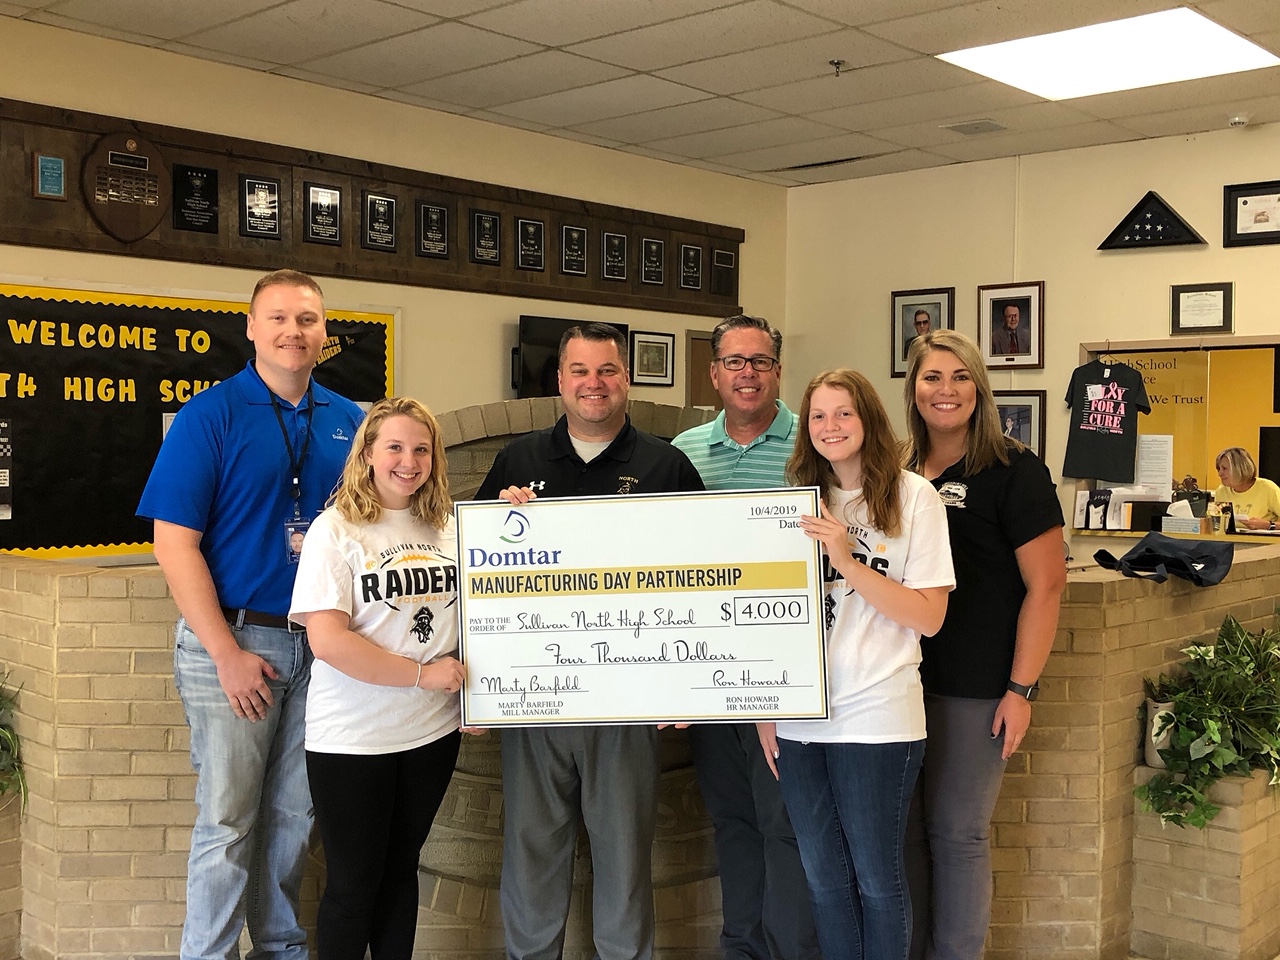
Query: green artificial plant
[[1225, 722], [12, 778]]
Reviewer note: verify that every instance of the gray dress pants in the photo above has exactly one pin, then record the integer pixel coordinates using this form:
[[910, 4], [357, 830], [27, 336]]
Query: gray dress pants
[[550, 776]]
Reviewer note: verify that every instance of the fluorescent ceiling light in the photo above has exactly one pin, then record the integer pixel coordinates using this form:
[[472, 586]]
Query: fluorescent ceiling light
[[1144, 51]]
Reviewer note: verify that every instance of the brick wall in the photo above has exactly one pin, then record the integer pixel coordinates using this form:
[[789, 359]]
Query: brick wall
[[1063, 830], [1211, 894]]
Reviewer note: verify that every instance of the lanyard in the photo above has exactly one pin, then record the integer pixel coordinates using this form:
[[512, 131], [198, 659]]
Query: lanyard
[[295, 463]]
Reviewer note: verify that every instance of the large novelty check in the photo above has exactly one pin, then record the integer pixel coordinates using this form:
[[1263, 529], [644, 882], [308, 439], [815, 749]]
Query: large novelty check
[[641, 609]]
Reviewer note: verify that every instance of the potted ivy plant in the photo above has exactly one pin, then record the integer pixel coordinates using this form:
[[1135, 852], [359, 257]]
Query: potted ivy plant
[[12, 778], [1222, 719]]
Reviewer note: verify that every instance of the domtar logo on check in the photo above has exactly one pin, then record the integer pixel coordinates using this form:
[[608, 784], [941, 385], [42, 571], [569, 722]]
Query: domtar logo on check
[[516, 525]]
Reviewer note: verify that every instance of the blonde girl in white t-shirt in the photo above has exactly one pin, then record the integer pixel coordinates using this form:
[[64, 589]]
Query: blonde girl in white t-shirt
[[847, 781], [377, 590]]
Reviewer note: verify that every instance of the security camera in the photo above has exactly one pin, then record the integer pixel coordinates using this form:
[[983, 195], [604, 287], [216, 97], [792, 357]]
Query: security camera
[[1238, 120]]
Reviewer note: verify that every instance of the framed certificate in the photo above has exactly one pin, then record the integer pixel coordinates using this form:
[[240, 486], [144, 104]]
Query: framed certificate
[[1251, 213], [1199, 308], [561, 625]]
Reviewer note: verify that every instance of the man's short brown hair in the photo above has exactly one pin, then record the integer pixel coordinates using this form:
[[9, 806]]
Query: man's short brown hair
[[289, 278]]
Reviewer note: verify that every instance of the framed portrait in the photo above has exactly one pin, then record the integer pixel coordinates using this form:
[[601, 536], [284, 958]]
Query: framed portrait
[[1251, 213], [1197, 308], [913, 313], [1022, 417], [653, 359], [1011, 325]]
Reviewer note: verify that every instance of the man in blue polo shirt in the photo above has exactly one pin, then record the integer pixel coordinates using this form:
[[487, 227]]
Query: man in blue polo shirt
[[765, 900], [245, 467]]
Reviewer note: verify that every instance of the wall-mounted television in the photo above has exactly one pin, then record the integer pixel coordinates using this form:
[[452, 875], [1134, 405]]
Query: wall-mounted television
[[535, 358]]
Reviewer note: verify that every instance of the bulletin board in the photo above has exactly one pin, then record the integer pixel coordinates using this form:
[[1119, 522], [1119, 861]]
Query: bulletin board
[[89, 382]]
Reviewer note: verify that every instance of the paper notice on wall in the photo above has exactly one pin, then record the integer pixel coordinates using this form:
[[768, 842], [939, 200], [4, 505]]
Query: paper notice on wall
[[6, 470], [1155, 463]]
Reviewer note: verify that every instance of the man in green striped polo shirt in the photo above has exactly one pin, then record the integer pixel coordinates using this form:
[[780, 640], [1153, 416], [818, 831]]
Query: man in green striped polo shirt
[[765, 897]]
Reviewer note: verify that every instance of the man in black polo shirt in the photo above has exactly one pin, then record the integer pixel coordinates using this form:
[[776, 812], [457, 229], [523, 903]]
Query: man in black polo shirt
[[608, 774]]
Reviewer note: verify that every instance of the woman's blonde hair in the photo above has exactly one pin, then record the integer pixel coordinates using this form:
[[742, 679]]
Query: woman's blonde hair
[[1240, 466], [881, 471], [985, 442], [357, 498]]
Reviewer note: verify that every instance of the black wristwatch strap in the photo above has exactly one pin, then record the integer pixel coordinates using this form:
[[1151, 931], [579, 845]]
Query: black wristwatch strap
[[1022, 690]]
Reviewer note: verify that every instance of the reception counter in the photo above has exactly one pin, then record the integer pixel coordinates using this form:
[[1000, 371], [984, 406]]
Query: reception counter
[[103, 843]]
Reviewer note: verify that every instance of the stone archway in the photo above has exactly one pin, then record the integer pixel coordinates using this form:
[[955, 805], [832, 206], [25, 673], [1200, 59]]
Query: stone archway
[[461, 862]]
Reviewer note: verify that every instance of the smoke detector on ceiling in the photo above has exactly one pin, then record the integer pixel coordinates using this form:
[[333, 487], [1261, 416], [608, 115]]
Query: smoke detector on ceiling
[[971, 128]]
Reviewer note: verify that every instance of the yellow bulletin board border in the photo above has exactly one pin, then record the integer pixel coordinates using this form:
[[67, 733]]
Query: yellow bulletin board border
[[118, 299]]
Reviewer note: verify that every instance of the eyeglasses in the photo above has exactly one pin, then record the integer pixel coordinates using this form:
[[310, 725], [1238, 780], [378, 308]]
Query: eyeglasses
[[758, 364]]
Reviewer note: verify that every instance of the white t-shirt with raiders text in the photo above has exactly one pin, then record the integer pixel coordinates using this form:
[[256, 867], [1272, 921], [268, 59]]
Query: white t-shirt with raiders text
[[398, 581], [873, 662]]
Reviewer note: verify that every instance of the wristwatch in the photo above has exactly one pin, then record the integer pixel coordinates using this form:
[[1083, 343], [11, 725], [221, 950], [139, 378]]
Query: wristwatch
[[1022, 690], [1273, 525]]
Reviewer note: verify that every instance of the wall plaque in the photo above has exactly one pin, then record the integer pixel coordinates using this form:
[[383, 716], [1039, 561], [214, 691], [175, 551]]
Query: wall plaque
[[530, 244], [322, 207], [653, 255], [126, 186], [573, 250], [433, 231], [260, 207], [195, 198], [378, 228], [613, 260], [48, 177], [486, 237], [690, 267]]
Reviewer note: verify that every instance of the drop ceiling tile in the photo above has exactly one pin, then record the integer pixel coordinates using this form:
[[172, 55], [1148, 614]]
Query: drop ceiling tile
[[652, 154], [399, 96], [613, 98], [872, 167], [687, 118], [1189, 93], [413, 57], [746, 26], [557, 24], [779, 159], [994, 21], [325, 79], [533, 76], [303, 30], [872, 11], [586, 138], [509, 121], [785, 62], [157, 18], [1036, 141], [1243, 16], [67, 23], [1200, 119], [879, 82], [1035, 116], [217, 56], [449, 8], [972, 99], [753, 136], [1268, 41]]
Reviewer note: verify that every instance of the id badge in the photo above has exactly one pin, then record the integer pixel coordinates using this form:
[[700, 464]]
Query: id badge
[[295, 531]]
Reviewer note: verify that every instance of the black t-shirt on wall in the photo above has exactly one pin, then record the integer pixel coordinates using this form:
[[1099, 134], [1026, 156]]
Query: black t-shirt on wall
[[1102, 436], [990, 515]]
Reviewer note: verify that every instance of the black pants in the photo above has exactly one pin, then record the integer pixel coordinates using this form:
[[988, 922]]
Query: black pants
[[762, 883], [374, 813]]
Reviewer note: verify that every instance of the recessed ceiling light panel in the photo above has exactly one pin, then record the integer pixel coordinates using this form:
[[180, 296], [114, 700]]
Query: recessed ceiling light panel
[[1165, 47]]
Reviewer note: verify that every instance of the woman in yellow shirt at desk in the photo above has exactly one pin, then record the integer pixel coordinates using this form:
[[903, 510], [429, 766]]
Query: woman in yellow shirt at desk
[[1254, 499]]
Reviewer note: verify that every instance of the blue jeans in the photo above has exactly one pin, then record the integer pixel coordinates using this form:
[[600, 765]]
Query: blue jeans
[[848, 804], [253, 805]]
